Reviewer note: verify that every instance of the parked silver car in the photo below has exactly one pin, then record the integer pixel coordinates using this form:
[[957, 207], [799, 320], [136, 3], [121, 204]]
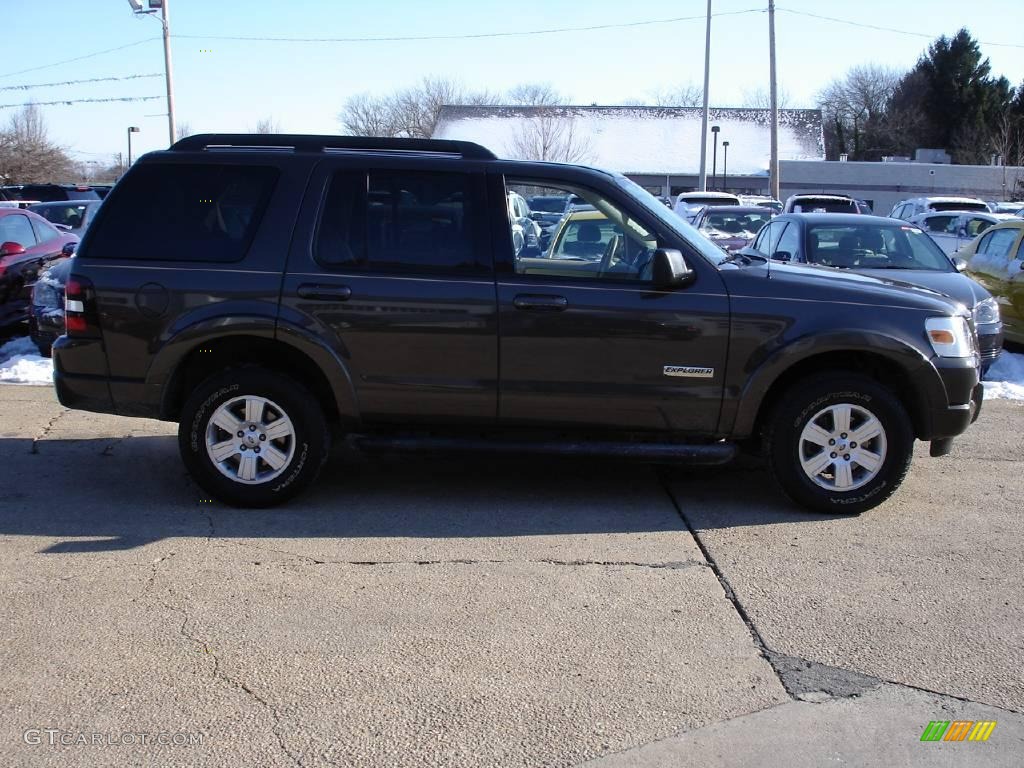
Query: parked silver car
[[952, 230]]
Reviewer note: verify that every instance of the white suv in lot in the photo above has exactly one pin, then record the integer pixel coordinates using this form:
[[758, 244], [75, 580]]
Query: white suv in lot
[[915, 205]]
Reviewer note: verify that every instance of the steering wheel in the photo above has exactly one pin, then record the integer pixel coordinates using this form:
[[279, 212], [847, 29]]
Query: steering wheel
[[610, 251]]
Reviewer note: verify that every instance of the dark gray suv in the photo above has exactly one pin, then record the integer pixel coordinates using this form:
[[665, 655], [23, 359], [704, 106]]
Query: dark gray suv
[[269, 292]]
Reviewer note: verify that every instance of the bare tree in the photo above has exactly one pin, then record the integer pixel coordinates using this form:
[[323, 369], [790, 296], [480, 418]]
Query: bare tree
[[761, 98], [368, 115], [550, 134], [854, 108], [408, 112], [267, 125], [182, 130], [26, 153], [535, 95], [684, 95]]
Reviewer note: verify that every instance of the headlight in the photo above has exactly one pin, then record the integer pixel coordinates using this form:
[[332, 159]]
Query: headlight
[[986, 312], [950, 336]]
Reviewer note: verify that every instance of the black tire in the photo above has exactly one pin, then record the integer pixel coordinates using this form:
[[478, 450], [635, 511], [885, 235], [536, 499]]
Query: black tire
[[308, 445], [810, 397]]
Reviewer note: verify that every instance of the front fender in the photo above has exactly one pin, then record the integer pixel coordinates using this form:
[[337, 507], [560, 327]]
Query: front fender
[[908, 358]]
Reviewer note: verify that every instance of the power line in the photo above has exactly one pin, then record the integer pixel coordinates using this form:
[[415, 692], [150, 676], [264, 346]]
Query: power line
[[882, 29], [74, 82], [80, 58], [472, 36], [68, 102]]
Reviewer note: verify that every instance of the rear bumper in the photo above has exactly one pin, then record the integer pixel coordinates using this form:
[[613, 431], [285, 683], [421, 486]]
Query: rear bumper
[[88, 388]]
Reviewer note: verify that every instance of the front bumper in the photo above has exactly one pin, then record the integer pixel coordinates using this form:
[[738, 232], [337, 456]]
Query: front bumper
[[954, 396]]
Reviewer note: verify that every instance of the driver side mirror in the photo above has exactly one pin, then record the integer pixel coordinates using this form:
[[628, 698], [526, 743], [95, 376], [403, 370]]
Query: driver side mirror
[[782, 256], [670, 269], [11, 248], [68, 249]]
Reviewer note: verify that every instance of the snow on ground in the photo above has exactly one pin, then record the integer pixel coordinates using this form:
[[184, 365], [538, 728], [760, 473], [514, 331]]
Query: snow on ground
[[1005, 379], [21, 363]]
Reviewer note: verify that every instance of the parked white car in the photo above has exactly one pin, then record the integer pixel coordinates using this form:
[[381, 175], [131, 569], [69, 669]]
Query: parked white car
[[905, 209], [952, 230], [689, 204]]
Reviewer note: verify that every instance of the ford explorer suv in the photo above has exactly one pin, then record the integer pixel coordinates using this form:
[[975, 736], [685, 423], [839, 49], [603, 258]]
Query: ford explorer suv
[[270, 293]]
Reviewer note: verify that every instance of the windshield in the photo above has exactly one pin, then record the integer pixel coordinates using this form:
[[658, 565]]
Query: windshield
[[874, 246], [71, 215], [961, 206], [671, 221], [823, 205], [744, 224], [547, 204]]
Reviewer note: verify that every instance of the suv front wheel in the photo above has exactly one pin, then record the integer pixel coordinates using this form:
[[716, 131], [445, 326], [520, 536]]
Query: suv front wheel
[[839, 443], [252, 437]]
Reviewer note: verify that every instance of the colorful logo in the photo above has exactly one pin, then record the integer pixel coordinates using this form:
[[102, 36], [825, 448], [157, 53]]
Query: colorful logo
[[958, 730]]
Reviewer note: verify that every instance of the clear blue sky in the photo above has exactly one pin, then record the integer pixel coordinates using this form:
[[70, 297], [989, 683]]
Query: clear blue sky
[[303, 85]]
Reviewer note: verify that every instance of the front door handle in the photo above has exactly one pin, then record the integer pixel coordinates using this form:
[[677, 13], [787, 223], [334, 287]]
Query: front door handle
[[324, 292], [540, 302]]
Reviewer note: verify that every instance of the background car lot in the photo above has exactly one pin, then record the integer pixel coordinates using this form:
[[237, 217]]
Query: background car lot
[[449, 608]]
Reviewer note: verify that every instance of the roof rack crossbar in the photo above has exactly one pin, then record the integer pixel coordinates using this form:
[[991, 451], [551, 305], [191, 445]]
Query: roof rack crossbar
[[313, 143]]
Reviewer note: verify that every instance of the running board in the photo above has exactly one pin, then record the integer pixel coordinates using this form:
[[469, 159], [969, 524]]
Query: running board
[[698, 453]]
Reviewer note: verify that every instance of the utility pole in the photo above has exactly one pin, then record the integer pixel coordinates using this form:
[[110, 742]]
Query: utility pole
[[703, 181], [773, 163], [168, 73]]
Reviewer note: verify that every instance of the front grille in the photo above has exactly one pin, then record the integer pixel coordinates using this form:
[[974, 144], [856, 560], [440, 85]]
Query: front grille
[[990, 354]]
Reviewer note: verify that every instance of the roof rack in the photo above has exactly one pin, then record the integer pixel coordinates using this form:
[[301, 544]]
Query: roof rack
[[312, 143]]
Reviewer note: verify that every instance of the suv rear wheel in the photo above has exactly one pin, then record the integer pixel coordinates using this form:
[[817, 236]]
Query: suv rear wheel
[[839, 443], [252, 437]]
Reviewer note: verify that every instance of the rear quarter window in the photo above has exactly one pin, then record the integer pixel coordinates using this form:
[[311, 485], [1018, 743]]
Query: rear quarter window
[[183, 212]]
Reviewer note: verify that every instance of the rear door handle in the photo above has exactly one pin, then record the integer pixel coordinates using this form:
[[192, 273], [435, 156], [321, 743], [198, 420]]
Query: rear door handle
[[540, 302], [324, 292]]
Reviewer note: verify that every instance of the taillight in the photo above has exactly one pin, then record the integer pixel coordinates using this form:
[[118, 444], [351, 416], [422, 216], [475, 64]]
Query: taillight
[[80, 307]]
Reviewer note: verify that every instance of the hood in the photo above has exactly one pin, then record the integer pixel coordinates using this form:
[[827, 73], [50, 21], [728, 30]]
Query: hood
[[828, 284], [953, 284]]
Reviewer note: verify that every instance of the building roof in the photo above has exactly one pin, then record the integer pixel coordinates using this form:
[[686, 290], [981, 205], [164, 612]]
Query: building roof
[[641, 140]]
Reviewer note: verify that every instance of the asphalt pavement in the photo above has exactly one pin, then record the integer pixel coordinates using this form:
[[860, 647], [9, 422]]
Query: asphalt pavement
[[445, 611]]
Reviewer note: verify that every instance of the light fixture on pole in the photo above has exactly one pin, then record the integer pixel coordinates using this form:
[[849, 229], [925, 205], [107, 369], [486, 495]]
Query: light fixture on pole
[[131, 129], [714, 157], [161, 7], [725, 165]]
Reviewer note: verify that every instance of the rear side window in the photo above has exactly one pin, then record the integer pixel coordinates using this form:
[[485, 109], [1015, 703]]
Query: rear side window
[[188, 212], [399, 222], [44, 232]]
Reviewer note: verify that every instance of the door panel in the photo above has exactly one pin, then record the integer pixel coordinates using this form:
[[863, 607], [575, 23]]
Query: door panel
[[599, 360], [382, 276]]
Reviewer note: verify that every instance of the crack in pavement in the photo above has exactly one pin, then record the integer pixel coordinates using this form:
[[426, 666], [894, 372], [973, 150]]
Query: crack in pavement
[[34, 448], [218, 673], [670, 565], [802, 679]]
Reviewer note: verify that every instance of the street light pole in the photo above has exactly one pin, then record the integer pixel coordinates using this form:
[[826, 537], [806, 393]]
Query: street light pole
[[165, 22], [725, 165], [131, 129], [703, 180], [714, 157]]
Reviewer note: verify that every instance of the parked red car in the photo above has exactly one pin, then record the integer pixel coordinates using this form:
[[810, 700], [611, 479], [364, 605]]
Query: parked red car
[[28, 245]]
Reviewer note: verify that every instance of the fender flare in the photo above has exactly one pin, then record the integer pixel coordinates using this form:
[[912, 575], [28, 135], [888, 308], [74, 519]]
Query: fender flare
[[166, 364], [905, 356]]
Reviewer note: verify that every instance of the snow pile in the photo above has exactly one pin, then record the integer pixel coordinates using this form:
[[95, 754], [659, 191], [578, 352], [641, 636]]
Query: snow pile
[[21, 363], [1005, 379]]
